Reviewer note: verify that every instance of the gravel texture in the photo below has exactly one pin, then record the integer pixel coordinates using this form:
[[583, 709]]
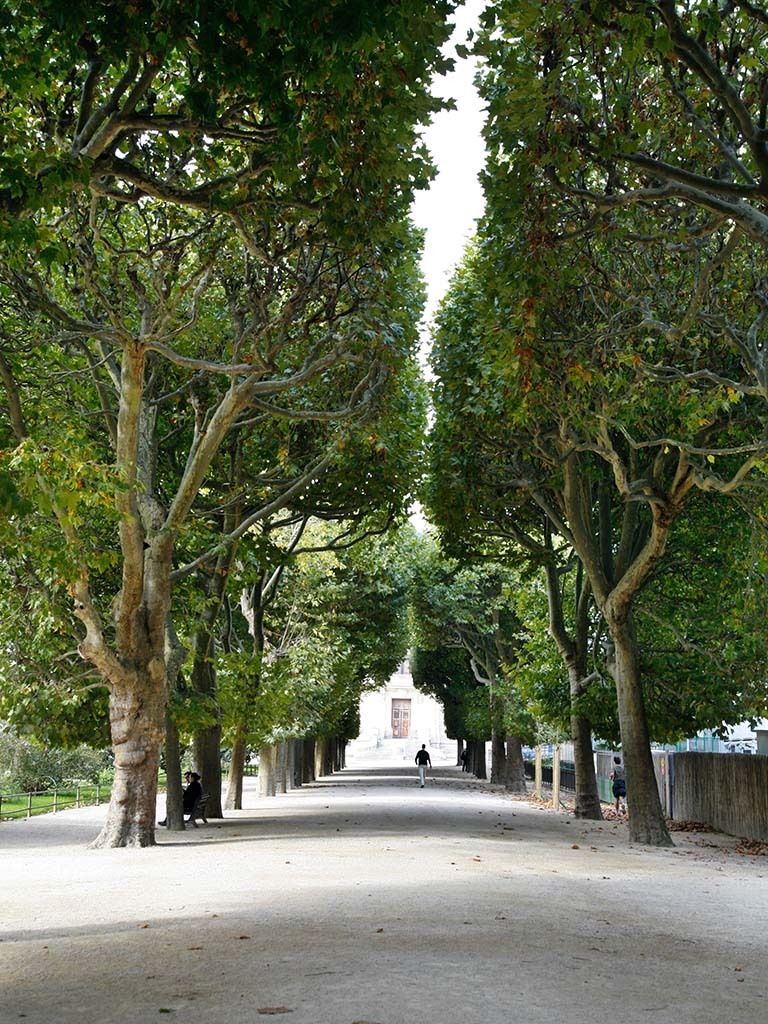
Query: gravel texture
[[363, 899]]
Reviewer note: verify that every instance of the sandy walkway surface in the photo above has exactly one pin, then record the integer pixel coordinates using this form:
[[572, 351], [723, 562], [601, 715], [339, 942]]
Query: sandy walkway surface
[[364, 899]]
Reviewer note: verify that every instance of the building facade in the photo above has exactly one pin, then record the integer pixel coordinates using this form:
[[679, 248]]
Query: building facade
[[398, 716]]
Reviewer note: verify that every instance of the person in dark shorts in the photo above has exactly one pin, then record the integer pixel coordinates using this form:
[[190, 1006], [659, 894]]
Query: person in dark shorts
[[619, 786]]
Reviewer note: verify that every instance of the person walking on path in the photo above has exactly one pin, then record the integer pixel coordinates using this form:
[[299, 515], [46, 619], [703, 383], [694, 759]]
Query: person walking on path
[[619, 785], [422, 760]]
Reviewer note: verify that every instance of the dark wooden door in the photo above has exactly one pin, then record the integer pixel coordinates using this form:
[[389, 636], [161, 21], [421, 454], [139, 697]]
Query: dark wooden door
[[401, 719]]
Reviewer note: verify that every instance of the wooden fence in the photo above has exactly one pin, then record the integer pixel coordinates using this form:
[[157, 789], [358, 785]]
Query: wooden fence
[[727, 791]]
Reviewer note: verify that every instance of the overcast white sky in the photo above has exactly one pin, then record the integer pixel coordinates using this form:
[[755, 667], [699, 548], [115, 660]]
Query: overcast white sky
[[449, 209]]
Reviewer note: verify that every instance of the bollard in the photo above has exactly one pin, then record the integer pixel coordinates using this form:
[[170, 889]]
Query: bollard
[[556, 778]]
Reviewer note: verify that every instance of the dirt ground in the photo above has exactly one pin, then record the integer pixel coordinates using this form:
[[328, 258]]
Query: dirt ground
[[364, 899]]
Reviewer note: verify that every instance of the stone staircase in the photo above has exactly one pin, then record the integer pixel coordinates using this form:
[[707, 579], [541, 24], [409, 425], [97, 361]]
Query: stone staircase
[[397, 752]]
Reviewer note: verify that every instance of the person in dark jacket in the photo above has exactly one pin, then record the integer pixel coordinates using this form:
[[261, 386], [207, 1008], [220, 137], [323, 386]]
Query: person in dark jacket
[[192, 792], [422, 760]]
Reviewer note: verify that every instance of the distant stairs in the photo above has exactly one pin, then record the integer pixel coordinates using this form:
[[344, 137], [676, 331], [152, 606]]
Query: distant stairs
[[398, 751]]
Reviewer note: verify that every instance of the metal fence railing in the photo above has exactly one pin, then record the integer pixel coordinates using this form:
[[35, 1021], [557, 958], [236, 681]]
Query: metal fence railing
[[567, 775], [46, 801]]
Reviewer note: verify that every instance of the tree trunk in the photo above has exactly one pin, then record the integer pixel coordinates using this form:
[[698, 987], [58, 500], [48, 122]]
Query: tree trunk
[[266, 771], [646, 819], [587, 803], [234, 798], [281, 768], [206, 743], [308, 761], [498, 759], [174, 808], [297, 763], [320, 744], [137, 716], [459, 749], [515, 776], [478, 759], [573, 651], [207, 754]]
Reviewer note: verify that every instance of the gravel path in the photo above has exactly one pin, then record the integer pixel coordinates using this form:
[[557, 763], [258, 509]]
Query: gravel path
[[363, 899]]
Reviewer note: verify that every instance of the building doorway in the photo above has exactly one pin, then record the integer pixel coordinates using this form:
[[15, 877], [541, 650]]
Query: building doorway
[[401, 719]]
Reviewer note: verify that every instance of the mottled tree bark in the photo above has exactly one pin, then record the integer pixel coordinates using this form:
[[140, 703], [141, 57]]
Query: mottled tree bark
[[137, 717], [587, 802], [234, 798], [320, 743], [573, 651], [174, 798], [478, 759], [646, 818], [308, 761], [498, 758], [175, 655], [281, 768], [515, 776], [266, 771], [616, 579]]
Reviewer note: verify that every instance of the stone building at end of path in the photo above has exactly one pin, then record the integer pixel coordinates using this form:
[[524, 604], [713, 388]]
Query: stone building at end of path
[[394, 722]]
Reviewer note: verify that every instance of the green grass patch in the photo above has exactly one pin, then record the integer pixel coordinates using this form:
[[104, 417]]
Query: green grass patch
[[20, 805]]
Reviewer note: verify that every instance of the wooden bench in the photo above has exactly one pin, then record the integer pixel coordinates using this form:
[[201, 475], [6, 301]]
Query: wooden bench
[[198, 811]]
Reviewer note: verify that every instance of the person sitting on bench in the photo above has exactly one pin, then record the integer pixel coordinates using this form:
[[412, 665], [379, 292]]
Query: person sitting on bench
[[192, 792]]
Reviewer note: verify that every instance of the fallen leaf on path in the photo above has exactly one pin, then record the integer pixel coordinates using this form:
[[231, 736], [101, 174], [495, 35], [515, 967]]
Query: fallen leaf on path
[[194, 947], [379, 930], [753, 847], [269, 1010], [689, 826], [575, 846], [142, 926], [243, 936]]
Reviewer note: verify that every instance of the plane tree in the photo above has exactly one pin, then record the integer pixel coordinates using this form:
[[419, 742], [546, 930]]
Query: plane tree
[[152, 147], [446, 674], [648, 121], [356, 467], [557, 413], [332, 622], [470, 606]]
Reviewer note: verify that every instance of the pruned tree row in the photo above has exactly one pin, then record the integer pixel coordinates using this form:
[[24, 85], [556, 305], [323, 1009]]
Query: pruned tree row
[[209, 318], [600, 358]]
